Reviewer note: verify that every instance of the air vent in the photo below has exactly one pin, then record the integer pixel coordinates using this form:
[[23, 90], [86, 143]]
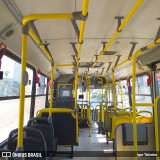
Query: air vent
[[109, 53], [89, 64], [8, 31]]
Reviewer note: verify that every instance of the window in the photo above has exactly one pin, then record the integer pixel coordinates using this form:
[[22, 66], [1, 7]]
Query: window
[[41, 87], [39, 103], [96, 97], [40, 90], [9, 87], [28, 89], [143, 92], [110, 96], [157, 78], [122, 94]]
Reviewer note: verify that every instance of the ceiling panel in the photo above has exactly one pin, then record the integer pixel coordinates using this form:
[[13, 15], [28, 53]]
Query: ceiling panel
[[4, 22], [45, 6], [100, 26]]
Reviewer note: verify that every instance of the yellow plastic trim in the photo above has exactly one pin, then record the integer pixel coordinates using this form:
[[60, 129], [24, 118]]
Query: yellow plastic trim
[[144, 119]]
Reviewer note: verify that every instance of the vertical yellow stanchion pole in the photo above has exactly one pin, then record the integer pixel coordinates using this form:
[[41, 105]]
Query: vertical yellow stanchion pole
[[58, 91], [120, 86], [133, 104], [114, 90], [76, 86], [106, 91], [156, 126], [23, 83], [82, 94], [107, 95], [51, 92], [88, 108]]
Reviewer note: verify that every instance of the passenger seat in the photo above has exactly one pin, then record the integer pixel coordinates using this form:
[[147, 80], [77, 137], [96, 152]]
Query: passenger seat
[[47, 129], [30, 143]]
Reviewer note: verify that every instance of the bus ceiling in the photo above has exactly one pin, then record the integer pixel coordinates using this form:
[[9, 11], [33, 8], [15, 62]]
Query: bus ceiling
[[103, 54]]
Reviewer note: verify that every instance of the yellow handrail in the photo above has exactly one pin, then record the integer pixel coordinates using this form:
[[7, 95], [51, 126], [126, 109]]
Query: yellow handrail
[[22, 91], [33, 17], [51, 91], [124, 22], [144, 111], [76, 87], [134, 94], [144, 104], [121, 94], [114, 90], [37, 40], [82, 27], [88, 99], [156, 126], [134, 104], [150, 45]]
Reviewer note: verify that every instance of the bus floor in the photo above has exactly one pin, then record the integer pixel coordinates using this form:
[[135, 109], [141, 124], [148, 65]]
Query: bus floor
[[89, 148]]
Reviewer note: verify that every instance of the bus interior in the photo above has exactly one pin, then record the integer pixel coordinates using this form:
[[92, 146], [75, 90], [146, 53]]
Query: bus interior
[[80, 79]]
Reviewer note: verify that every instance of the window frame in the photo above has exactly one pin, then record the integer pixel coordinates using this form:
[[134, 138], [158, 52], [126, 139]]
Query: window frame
[[45, 76], [156, 90], [139, 75], [125, 94], [18, 60]]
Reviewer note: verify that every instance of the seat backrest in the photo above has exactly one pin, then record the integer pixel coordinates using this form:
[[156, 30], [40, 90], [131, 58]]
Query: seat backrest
[[65, 125], [116, 120], [108, 120], [69, 103], [47, 129], [144, 119], [142, 134], [58, 103], [30, 143]]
